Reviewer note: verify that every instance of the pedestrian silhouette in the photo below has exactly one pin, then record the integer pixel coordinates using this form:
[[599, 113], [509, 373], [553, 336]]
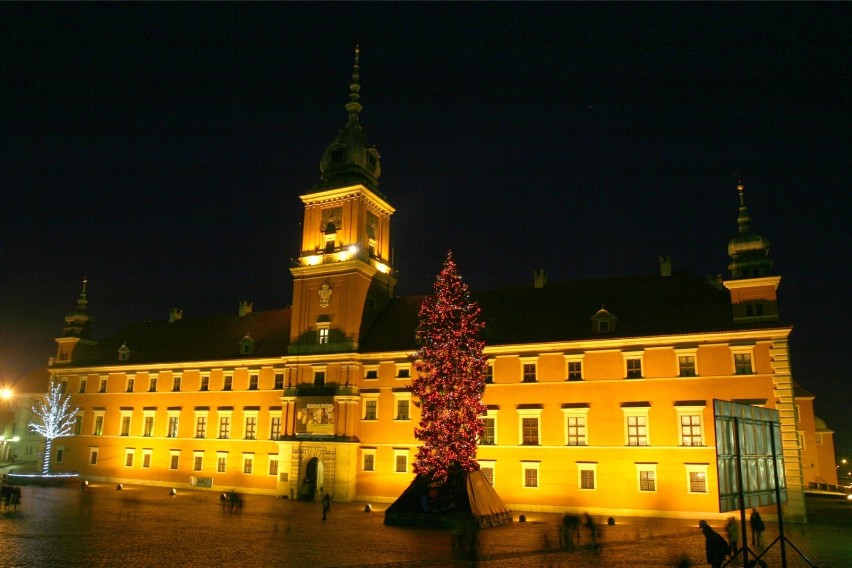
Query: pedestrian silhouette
[[326, 505], [715, 546], [757, 528]]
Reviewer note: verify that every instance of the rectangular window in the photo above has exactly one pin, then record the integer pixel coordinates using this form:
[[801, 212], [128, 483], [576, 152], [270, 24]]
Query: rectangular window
[[174, 459], [93, 456], [368, 460], [402, 407], [63, 386], [742, 363], [686, 366], [60, 454], [176, 383], [131, 382], [647, 480], [371, 409], [698, 482], [221, 463], [128, 458], [489, 373], [529, 373], [248, 464], [82, 385], [197, 462], [400, 459], [229, 382], [279, 381], [372, 374], [576, 432], [125, 425], [530, 471], [205, 383], [634, 368], [78, 425], [149, 426], [575, 370], [319, 378], [323, 335], [273, 466], [253, 382], [587, 477], [637, 430], [173, 427], [224, 427], [152, 384], [251, 427], [403, 374], [146, 459], [690, 430], [530, 431], [99, 425], [201, 427], [103, 386], [489, 430], [274, 427]]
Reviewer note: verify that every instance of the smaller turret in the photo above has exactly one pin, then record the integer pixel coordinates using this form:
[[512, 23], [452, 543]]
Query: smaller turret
[[79, 323], [749, 251], [753, 289]]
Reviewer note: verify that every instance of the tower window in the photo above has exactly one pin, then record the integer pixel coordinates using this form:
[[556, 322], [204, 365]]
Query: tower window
[[323, 336]]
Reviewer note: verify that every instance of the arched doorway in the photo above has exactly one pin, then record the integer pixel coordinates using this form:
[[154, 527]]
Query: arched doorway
[[312, 484]]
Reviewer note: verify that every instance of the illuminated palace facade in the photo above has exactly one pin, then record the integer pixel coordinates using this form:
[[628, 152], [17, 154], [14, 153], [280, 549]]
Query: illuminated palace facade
[[600, 393]]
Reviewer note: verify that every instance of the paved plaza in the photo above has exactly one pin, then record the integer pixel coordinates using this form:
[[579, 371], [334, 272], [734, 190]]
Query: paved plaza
[[145, 526]]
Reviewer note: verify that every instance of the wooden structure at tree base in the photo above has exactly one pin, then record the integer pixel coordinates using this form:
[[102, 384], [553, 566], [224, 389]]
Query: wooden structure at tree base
[[463, 498]]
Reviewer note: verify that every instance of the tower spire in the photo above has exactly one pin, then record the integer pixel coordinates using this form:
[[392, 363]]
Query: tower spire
[[353, 106], [350, 159], [79, 323]]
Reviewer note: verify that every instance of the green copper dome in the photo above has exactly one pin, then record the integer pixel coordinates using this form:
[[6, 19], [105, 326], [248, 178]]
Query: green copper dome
[[350, 159], [749, 251]]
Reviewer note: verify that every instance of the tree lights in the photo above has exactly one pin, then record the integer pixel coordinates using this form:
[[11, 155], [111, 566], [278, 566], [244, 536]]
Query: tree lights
[[55, 419], [450, 378]]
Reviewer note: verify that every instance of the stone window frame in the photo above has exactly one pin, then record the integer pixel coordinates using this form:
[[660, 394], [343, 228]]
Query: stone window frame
[[587, 466], [490, 466], [690, 409], [368, 453], [530, 466], [528, 413], [575, 411], [128, 457], [401, 453], [644, 467], [698, 469]]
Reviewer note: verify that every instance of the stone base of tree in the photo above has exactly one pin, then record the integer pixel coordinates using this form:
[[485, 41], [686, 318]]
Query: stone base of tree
[[42, 480], [464, 499]]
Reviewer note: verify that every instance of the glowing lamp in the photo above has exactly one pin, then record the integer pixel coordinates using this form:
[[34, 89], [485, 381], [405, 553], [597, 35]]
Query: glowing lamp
[[6, 393], [312, 260]]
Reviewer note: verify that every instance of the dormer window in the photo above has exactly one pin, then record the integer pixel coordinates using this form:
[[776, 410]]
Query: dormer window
[[123, 352], [603, 321], [247, 345]]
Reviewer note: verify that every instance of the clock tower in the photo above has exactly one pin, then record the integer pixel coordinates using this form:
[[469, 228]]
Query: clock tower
[[343, 276]]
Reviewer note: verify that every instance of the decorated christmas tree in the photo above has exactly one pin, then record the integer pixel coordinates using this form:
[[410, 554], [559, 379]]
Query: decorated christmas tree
[[449, 488], [450, 378]]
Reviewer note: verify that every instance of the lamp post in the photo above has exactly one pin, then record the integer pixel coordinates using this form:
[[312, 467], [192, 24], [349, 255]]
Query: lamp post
[[7, 417]]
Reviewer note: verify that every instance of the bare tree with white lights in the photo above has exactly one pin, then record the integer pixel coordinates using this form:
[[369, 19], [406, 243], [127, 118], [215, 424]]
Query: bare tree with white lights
[[55, 419]]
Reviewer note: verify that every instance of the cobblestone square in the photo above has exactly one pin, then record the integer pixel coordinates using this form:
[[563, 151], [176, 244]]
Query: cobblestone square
[[145, 526]]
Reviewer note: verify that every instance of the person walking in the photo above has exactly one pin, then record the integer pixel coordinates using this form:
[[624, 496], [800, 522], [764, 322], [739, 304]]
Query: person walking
[[715, 546], [326, 505], [757, 528], [733, 530]]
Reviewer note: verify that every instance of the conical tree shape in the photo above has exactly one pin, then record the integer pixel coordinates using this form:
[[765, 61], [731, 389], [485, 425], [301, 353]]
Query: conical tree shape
[[449, 488]]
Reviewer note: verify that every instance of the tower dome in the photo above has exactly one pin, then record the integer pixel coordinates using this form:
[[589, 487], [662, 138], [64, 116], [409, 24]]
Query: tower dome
[[350, 159], [748, 250], [79, 323]]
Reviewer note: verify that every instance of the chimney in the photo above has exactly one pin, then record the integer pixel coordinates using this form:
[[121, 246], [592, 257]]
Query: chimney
[[665, 266], [245, 308], [175, 315], [539, 278]]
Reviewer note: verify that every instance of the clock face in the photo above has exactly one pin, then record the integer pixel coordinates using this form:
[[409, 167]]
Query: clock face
[[332, 215]]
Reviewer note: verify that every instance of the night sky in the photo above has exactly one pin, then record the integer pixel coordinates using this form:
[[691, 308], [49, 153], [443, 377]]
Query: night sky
[[160, 149]]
